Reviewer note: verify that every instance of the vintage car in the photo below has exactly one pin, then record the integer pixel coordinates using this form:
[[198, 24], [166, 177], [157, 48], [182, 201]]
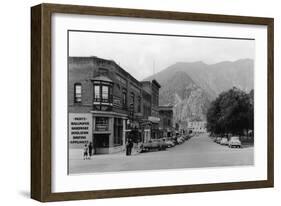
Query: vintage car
[[218, 140], [180, 140], [224, 141], [234, 142], [175, 140], [154, 144], [169, 143]]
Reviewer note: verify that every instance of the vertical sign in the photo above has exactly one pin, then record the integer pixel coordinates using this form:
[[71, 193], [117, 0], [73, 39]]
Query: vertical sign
[[80, 129]]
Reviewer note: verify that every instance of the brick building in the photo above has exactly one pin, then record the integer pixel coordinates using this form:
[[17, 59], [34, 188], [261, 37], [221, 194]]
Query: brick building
[[150, 107], [108, 102]]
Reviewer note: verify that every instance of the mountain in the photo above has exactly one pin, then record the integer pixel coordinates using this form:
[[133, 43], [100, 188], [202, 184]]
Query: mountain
[[191, 86]]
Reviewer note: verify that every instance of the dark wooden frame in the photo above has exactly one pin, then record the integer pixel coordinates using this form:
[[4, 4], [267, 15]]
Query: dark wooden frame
[[41, 101]]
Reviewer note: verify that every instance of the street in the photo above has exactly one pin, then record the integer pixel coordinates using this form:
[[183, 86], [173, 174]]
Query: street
[[199, 151]]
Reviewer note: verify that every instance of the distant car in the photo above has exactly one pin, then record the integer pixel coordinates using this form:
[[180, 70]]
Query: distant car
[[169, 143], [234, 142], [155, 144], [218, 140], [174, 140], [186, 137], [224, 141], [180, 140]]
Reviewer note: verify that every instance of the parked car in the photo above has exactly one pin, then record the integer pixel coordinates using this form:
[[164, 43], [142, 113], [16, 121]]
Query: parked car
[[169, 143], [224, 141], [218, 139], [155, 144], [180, 140], [234, 142], [186, 137], [175, 140]]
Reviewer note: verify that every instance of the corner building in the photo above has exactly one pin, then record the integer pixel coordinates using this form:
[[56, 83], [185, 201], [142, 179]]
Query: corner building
[[113, 99]]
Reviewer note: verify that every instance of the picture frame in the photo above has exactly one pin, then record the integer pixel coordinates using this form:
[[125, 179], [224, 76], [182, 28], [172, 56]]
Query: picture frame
[[41, 101]]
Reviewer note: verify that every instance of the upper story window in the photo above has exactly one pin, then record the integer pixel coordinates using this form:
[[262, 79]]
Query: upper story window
[[124, 98], [132, 102], [132, 98], [105, 93], [139, 104], [103, 96], [169, 122], [101, 93], [97, 92], [77, 93]]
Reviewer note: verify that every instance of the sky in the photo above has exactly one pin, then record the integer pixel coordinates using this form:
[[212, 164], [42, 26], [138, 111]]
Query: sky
[[145, 55]]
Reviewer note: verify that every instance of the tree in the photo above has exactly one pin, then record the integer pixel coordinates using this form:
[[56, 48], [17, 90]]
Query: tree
[[231, 112]]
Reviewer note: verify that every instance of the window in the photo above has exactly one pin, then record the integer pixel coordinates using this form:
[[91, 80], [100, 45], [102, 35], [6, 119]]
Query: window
[[132, 98], [132, 102], [169, 122], [139, 104], [118, 131], [124, 99], [101, 93], [101, 140], [77, 93], [105, 93], [97, 92], [102, 124]]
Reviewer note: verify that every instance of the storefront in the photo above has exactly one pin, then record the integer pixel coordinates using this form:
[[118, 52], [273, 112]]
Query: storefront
[[155, 132], [108, 132]]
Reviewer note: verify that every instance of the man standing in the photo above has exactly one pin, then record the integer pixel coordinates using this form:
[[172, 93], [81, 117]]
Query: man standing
[[90, 147], [85, 152], [129, 146]]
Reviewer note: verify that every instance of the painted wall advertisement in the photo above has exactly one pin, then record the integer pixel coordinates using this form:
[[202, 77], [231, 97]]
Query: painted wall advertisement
[[80, 129]]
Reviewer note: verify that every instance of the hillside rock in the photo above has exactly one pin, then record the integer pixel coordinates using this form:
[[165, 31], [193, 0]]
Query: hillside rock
[[190, 87]]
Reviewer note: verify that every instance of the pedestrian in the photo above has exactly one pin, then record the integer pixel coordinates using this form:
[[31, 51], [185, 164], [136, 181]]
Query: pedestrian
[[90, 147], [127, 147], [85, 154], [131, 144]]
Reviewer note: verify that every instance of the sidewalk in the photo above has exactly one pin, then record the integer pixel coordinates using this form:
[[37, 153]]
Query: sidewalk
[[77, 154]]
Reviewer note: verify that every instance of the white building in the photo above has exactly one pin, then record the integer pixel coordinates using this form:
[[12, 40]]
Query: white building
[[197, 126]]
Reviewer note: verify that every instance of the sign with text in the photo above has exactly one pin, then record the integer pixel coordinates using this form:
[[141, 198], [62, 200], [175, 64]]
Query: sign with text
[[80, 129]]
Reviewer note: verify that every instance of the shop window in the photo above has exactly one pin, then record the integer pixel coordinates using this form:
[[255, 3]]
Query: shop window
[[102, 124], [101, 140], [77, 93], [118, 131]]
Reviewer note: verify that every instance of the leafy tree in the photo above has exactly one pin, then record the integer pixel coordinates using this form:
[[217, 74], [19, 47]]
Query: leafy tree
[[232, 112]]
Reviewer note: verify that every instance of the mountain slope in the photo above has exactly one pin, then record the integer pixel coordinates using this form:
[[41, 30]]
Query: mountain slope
[[191, 86]]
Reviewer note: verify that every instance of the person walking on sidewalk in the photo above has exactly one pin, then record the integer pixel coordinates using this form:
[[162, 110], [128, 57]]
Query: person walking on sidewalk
[[129, 146], [90, 147], [85, 154]]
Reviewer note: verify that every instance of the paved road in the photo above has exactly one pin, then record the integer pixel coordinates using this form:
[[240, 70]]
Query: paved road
[[199, 151]]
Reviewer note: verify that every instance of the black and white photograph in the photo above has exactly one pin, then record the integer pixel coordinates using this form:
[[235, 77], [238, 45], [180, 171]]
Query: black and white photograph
[[147, 101]]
